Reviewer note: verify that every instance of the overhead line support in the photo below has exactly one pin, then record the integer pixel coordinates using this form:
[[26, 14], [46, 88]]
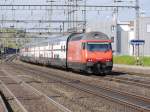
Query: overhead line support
[[61, 7]]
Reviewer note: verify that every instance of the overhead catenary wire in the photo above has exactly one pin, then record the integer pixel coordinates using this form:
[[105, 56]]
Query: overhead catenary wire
[[75, 13]]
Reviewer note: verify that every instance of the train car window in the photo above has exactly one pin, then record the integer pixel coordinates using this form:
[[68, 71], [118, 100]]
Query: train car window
[[83, 45], [61, 48], [57, 56], [64, 48]]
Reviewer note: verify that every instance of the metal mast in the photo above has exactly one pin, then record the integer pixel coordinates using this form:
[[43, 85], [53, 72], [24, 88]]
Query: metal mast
[[115, 26], [137, 30], [85, 22], [137, 19], [50, 12]]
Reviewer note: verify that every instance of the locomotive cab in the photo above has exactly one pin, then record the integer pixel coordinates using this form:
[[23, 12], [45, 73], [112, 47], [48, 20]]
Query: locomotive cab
[[98, 56], [90, 52]]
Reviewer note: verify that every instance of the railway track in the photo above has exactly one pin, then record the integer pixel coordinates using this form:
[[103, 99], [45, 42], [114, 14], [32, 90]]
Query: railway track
[[126, 80], [73, 102], [10, 58], [26, 96], [128, 100]]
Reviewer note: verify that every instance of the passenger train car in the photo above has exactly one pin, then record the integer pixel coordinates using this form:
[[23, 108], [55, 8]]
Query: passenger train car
[[88, 52]]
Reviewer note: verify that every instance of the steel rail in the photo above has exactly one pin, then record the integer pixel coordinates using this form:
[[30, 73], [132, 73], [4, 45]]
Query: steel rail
[[17, 79], [121, 101], [3, 104], [14, 97]]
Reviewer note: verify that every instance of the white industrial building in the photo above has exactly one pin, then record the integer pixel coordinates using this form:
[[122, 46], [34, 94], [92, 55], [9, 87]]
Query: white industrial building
[[124, 33]]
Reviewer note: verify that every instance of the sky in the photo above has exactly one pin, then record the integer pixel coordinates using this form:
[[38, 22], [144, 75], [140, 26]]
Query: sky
[[144, 4], [124, 14]]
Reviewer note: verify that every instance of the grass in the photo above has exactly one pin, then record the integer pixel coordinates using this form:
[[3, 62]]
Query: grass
[[130, 60], [146, 61]]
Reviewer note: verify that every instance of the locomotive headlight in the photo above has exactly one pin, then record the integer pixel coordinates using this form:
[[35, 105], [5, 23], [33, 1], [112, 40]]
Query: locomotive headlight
[[89, 60]]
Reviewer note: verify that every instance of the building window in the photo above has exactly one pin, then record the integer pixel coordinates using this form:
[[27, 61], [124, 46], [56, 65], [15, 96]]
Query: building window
[[148, 28], [112, 28]]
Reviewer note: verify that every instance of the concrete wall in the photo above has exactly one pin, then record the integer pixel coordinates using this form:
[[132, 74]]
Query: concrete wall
[[125, 34], [145, 33], [123, 42]]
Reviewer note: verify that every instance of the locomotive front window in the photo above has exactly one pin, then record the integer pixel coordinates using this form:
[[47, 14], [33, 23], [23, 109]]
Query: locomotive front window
[[98, 46]]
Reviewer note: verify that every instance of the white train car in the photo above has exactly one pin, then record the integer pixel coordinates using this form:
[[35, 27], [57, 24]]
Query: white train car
[[47, 51]]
